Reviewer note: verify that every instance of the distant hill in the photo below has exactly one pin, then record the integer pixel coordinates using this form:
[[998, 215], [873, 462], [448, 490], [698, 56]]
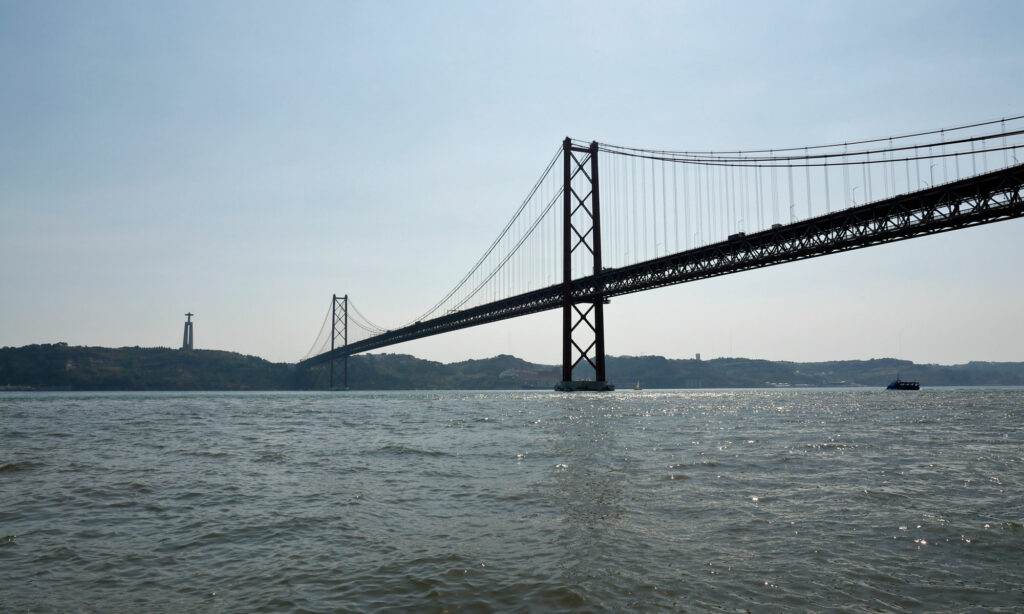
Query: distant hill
[[659, 372], [62, 367]]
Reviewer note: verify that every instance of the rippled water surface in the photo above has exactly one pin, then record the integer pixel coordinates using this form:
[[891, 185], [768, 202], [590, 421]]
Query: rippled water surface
[[846, 500]]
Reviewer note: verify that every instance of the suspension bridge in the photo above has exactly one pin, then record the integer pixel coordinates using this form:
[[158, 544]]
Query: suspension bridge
[[605, 220]]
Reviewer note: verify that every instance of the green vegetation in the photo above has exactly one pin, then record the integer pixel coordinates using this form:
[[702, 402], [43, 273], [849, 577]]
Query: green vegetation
[[658, 372], [62, 367]]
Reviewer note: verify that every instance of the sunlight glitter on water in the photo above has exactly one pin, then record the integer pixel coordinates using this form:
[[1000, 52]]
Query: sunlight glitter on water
[[671, 501]]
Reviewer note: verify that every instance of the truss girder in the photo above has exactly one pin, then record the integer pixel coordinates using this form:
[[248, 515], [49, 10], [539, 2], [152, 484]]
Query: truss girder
[[984, 199]]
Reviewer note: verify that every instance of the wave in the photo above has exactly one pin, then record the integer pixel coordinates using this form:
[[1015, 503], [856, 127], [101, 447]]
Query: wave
[[399, 449], [19, 466]]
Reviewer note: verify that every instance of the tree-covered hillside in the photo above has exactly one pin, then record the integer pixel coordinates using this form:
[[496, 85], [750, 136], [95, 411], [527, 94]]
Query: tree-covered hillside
[[62, 367]]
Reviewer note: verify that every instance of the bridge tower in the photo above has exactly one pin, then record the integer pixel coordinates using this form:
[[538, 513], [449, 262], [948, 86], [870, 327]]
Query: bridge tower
[[186, 338], [582, 320], [339, 315]]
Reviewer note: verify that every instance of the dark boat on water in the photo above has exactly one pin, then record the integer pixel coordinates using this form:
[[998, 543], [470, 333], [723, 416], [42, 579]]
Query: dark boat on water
[[898, 384]]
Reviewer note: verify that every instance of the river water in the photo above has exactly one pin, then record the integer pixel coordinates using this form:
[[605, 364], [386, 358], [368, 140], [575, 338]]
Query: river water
[[763, 500]]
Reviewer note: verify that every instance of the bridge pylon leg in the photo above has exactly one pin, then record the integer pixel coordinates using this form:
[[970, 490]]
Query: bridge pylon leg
[[582, 317], [339, 316]]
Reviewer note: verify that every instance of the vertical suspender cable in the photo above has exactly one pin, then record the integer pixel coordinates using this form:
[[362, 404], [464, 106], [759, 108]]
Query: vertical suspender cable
[[643, 198], [846, 185], [945, 174], [906, 164], [917, 169], [723, 186], [864, 172], [885, 175], [710, 207], [890, 173], [675, 205], [828, 199], [609, 197], [892, 170], [792, 198], [749, 182], [757, 184], [636, 221], [699, 204], [654, 212], [713, 207], [807, 177], [775, 194], [714, 203], [620, 204], [515, 263], [686, 208], [626, 226], [664, 209], [721, 210], [1006, 153], [956, 163], [732, 192], [730, 212], [745, 175]]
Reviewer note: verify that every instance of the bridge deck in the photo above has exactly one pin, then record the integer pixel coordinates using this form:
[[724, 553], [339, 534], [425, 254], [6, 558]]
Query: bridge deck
[[983, 199]]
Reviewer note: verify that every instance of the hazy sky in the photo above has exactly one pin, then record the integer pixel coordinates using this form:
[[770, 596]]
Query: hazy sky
[[245, 160]]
